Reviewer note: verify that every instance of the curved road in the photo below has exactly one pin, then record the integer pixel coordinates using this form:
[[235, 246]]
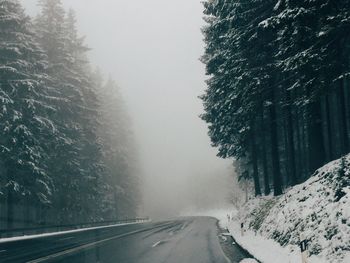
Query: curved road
[[186, 240]]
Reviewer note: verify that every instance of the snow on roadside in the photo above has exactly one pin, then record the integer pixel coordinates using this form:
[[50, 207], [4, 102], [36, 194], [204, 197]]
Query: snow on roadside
[[267, 250], [318, 209], [248, 260]]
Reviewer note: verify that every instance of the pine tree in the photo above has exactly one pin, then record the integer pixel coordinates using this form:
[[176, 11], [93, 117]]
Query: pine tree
[[285, 65], [25, 114], [64, 156], [76, 161], [119, 153]]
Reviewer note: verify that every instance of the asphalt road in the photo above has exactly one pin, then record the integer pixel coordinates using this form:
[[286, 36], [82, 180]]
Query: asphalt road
[[186, 240]]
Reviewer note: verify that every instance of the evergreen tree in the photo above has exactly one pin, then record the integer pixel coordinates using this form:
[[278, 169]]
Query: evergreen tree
[[119, 153], [76, 161], [25, 123], [66, 148], [278, 75]]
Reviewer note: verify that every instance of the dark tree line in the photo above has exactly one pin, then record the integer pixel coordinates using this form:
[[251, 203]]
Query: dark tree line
[[66, 147], [278, 97]]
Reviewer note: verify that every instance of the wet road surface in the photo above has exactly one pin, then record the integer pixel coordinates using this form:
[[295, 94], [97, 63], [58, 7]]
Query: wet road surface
[[184, 240]]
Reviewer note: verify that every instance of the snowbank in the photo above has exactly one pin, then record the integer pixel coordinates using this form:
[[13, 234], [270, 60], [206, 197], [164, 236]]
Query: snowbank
[[267, 250], [248, 260], [318, 209]]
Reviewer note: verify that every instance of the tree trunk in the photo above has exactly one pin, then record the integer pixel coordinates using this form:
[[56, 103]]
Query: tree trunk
[[255, 164], [10, 202], [276, 170], [299, 145], [267, 189], [290, 134], [10, 210], [344, 139], [316, 149], [329, 128], [305, 147], [284, 131], [116, 207]]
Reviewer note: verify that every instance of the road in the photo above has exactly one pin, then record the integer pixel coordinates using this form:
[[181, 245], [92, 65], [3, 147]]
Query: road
[[185, 240]]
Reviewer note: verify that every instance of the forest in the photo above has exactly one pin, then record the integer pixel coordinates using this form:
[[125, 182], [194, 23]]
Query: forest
[[278, 97], [67, 150]]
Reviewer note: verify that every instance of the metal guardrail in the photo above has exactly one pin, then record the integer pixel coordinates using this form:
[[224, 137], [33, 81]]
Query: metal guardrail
[[58, 228]]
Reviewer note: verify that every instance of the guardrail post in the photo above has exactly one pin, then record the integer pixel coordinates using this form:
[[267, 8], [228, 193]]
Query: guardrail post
[[303, 249]]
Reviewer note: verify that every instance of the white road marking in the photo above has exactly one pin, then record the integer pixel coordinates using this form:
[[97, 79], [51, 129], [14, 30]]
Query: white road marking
[[69, 251], [157, 243], [73, 250], [2, 251]]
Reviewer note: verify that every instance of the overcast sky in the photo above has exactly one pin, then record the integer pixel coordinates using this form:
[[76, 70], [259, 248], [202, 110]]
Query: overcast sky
[[152, 49]]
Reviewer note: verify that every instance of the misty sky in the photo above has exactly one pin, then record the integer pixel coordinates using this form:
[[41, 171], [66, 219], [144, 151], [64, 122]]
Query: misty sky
[[152, 48]]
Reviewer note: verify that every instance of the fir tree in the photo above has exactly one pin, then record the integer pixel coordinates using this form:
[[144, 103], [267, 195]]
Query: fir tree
[[25, 113]]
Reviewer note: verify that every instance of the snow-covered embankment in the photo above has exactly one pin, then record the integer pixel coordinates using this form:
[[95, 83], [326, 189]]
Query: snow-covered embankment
[[318, 210]]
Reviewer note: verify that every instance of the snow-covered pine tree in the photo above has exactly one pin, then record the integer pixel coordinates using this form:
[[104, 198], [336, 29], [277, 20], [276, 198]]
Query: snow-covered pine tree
[[65, 164], [333, 50], [25, 125], [76, 152], [219, 100], [119, 153], [278, 75], [90, 158], [238, 82]]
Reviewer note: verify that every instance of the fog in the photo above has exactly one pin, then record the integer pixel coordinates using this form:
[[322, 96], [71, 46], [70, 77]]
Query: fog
[[152, 49]]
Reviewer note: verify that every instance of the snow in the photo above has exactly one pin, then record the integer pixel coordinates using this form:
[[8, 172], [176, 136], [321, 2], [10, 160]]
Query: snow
[[248, 260], [347, 257], [266, 250], [26, 237], [317, 210], [265, 23], [277, 6]]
